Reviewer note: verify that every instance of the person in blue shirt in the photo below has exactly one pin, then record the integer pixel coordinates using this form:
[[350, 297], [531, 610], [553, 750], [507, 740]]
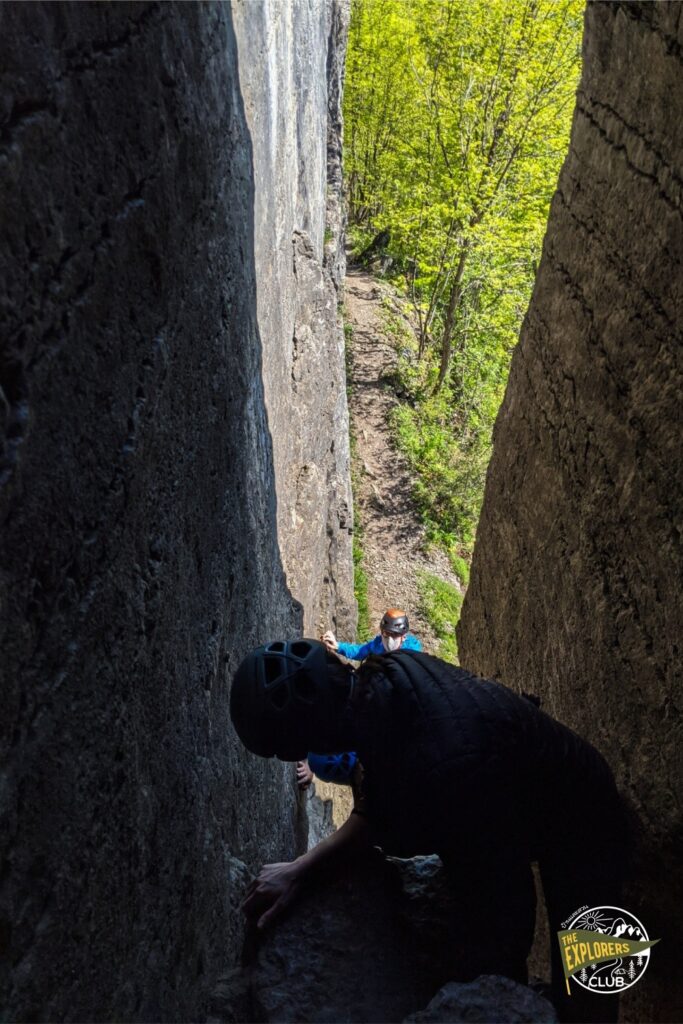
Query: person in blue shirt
[[393, 636]]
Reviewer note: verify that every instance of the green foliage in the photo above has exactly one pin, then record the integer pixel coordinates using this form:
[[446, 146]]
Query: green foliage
[[447, 459], [461, 567], [358, 237], [440, 604], [450, 468], [457, 118], [348, 341], [364, 630]]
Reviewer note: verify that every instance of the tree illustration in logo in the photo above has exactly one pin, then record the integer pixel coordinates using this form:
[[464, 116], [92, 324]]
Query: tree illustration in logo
[[623, 970]]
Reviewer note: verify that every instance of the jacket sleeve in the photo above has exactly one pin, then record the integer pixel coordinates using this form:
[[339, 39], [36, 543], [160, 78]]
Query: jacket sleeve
[[411, 643], [357, 652]]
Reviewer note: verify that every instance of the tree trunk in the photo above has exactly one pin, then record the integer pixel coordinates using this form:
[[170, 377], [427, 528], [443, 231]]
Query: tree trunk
[[454, 297]]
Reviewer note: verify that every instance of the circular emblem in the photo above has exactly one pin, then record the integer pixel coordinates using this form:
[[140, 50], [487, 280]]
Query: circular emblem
[[610, 976]]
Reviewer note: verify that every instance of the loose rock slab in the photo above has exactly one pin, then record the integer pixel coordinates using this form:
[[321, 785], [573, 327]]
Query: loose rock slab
[[374, 947], [489, 998]]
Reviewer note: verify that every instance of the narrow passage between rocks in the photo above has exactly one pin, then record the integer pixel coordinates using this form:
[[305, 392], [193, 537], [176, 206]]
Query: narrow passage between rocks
[[394, 550]]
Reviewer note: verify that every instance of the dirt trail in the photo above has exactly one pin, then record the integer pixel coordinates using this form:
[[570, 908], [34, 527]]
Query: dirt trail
[[393, 537]]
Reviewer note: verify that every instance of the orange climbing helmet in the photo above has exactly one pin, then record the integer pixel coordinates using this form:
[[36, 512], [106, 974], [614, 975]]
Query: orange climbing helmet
[[394, 622]]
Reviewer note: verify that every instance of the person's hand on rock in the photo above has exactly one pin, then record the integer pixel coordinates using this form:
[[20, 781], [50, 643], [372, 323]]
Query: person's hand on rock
[[271, 892], [330, 640], [304, 775]]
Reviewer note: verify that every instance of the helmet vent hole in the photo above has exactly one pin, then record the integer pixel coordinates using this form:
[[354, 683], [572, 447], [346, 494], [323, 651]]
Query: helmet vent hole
[[278, 646], [304, 689], [273, 669], [279, 696], [300, 648]]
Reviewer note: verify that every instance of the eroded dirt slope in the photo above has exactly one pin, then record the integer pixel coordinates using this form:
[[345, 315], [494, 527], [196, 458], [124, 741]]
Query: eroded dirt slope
[[393, 538]]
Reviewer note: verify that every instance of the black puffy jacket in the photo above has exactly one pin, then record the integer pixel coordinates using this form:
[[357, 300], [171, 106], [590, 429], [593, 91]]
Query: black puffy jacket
[[453, 762]]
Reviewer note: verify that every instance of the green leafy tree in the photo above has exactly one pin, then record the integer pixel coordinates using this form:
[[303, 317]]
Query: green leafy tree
[[457, 120]]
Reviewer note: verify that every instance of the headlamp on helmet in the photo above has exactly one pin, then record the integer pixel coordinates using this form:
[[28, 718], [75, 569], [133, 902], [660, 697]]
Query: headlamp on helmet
[[394, 622]]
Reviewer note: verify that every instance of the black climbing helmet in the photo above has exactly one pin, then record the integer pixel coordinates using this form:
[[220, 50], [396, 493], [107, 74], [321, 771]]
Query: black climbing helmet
[[394, 622], [277, 693]]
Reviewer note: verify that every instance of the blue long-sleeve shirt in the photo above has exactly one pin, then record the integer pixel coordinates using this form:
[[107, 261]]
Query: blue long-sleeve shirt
[[339, 767], [357, 652]]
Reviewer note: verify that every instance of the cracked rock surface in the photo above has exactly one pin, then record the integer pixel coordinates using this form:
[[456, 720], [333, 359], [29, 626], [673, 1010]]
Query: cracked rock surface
[[575, 584]]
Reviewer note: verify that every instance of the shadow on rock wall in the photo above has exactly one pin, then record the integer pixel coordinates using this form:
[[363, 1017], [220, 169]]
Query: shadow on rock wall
[[137, 502], [576, 577]]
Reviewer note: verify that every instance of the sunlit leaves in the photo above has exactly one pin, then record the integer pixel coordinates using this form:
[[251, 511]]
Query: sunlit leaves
[[457, 116]]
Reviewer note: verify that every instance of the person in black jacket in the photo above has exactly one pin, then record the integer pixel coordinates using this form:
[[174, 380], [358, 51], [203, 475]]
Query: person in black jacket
[[454, 765]]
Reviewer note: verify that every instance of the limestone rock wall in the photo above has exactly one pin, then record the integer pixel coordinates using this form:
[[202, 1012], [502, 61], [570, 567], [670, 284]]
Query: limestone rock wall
[[291, 73], [139, 554], [374, 945], [575, 590]]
